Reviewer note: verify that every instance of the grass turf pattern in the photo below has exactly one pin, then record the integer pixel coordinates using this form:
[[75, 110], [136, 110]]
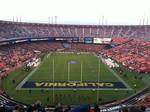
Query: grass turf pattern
[[55, 67]]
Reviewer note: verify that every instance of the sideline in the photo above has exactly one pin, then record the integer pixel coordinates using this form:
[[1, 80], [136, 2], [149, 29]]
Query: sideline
[[29, 75], [117, 76]]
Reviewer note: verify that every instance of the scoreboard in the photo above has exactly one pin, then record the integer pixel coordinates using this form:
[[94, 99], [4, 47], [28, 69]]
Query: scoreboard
[[101, 40], [98, 41]]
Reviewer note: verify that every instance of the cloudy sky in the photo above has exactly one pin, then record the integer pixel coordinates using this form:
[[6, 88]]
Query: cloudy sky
[[77, 11]]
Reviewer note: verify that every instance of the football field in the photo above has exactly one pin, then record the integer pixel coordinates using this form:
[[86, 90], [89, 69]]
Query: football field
[[69, 78], [71, 71]]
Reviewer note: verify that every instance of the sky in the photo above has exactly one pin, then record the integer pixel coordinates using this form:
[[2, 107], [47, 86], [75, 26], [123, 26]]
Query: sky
[[107, 12]]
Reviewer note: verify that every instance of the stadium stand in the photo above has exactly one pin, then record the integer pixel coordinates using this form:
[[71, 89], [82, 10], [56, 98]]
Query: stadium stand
[[134, 54], [9, 30], [132, 50], [14, 56]]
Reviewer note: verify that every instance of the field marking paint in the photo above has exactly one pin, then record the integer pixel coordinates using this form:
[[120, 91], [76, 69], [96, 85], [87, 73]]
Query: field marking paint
[[28, 76], [53, 80], [114, 73], [68, 72], [26, 79], [92, 89], [32, 72], [53, 70], [81, 71], [118, 77], [98, 81]]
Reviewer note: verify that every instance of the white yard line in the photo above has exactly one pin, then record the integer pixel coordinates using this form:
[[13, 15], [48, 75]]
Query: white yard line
[[68, 71], [34, 70], [28, 76], [81, 72], [118, 77], [98, 81], [108, 89], [53, 80], [26, 79]]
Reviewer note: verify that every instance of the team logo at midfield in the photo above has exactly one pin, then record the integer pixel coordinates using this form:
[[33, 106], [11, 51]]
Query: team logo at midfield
[[72, 62]]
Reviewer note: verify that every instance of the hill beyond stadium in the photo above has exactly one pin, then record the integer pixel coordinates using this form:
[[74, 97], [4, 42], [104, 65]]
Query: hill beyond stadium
[[56, 67]]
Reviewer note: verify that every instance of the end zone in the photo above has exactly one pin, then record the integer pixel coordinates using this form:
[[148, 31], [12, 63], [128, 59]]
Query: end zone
[[72, 85]]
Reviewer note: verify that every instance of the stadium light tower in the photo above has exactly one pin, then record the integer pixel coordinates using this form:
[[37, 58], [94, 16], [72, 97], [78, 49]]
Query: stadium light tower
[[105, 21], [52, 20], [13, 19], [16, 19], [144, 18], [20, 19], [102, 20], [48, 20], [140, 22], [55, 19], [99, 22], [143, 22], [147, 21]]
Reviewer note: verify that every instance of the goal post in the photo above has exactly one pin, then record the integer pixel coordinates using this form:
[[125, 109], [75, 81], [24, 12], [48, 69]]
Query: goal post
[[68, 72]]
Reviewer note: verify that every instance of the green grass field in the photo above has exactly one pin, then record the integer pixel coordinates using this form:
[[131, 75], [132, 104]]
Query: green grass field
[[55, 67], [87, 66]]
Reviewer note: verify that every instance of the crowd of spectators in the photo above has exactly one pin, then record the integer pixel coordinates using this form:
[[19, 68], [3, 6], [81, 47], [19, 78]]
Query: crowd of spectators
[[120, 40], [130, 52], [9, 30], [87, 47], [14, 56], [145, 102], [134, 54]]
